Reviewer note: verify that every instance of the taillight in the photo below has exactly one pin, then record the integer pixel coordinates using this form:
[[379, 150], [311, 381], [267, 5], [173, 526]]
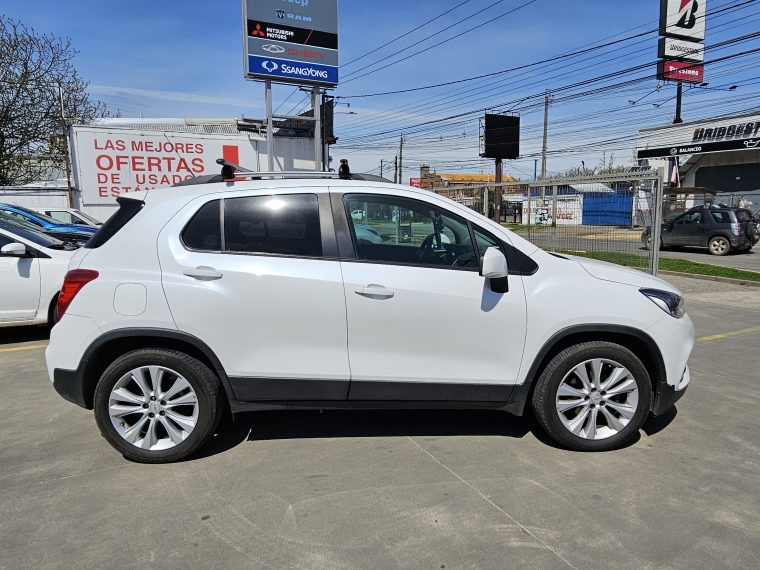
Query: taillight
[[72, 284], [737, 229]]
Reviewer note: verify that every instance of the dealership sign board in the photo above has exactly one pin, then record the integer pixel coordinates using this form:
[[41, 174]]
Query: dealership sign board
[[700, 137], [670, 48], [291, 41], [112, 162], [683, 19]]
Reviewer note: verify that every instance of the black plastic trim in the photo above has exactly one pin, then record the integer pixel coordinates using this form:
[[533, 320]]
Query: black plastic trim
[[428, 392], [666, 397], [264, 389], [522, 392], [241, 407], [342, 230], [72, 387]]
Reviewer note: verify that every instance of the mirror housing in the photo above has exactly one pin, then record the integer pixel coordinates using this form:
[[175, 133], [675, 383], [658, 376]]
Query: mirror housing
[[495, 264], [14, 249]]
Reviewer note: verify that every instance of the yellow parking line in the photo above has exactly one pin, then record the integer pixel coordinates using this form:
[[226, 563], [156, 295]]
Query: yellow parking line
[[728, 334], [23, 348]]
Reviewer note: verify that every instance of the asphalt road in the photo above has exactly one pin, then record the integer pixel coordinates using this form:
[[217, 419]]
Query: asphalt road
[[378, 490]]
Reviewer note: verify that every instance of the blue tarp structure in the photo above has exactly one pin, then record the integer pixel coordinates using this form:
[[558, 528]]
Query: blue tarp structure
[[607, 209]]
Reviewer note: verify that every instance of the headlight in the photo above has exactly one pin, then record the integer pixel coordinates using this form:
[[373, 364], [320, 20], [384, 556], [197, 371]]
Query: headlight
[[669, 302]]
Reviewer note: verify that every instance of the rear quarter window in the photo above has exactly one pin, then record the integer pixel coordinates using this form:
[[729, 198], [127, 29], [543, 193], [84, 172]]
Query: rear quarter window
[[204, 232]]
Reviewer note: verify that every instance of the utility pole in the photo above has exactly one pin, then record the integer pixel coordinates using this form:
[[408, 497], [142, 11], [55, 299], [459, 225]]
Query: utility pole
[[497, 193], [66, 149], [270, 131], [546, 136], [381, 168], [395, 170], [317, 106], [679, 96], [401, 161]]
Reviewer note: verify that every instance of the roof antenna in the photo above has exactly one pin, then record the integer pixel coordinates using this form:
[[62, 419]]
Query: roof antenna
[[176, 151], [344, 172]]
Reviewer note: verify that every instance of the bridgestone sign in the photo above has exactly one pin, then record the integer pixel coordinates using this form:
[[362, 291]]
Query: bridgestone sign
[[700, 137], [291, 41]]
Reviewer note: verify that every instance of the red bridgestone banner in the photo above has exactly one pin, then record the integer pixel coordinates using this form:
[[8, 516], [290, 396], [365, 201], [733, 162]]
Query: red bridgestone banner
[[680, 71]]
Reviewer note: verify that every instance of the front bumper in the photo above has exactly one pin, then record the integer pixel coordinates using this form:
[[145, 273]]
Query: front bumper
[[667, 394]]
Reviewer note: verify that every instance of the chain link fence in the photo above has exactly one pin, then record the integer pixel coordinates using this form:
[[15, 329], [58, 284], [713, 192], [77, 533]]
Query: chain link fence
[[602, 217]]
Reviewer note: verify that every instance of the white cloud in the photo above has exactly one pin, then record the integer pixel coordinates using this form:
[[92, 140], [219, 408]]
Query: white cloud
[[175, 96]]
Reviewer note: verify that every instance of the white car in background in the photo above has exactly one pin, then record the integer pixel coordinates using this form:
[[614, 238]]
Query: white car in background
[[32, 268], [69, 216]]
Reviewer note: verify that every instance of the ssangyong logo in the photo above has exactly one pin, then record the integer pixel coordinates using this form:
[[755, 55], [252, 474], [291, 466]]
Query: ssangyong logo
[[271, 48], [305, 71], [270, 66]]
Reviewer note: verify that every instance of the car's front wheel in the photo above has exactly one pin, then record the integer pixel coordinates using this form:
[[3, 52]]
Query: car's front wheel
[[157, 405], [593, 396]]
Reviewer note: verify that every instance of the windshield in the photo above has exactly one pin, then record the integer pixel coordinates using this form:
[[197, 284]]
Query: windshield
[[88, 218], [27, 233], [34, 214]]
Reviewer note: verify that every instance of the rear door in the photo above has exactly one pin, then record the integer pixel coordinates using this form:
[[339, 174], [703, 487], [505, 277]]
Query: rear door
[[257, 278], [422, 323], [19, 285]]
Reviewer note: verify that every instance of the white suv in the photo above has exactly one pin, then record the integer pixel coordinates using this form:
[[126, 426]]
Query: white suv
[[260, 294]]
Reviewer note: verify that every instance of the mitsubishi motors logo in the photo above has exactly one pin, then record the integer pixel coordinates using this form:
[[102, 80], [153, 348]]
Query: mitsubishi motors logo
[[689, 18], [270, 66], [257, 31]]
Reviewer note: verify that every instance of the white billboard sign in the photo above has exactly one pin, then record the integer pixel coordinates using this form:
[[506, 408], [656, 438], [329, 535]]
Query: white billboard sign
[[671, 48], [683, 19], [111, 162]]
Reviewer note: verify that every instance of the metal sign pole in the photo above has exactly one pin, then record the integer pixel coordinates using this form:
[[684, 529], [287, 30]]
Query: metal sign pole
[[554, 217], [270, 133], [317, 128], [657, 198]]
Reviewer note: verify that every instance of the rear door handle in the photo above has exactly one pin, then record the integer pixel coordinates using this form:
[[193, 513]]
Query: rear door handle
[[374, 292], [203, 273]]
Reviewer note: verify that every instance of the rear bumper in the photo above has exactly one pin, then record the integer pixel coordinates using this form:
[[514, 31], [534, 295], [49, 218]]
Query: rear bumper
[[70, 385]]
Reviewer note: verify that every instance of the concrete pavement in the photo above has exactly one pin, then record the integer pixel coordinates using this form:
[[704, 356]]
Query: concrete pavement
[[370, 489]]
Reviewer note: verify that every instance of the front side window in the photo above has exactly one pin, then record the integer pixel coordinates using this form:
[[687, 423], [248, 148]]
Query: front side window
[[398, 230], [62, 217], [693, 218], [282, 225]]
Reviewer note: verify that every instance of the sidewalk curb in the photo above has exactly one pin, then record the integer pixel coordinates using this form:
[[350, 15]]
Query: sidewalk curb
[[712, 278]]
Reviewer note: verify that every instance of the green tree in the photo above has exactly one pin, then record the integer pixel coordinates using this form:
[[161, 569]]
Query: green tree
[[32, 67]]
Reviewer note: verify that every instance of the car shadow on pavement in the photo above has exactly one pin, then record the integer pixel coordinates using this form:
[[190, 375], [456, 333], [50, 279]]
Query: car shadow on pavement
[[309, 424], [655, 424], [13, 335]]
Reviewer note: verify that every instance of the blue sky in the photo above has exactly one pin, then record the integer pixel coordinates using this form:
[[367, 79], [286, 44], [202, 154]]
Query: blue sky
[[183, 59]]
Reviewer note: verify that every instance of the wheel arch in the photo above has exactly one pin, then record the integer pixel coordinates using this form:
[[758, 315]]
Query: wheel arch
[[108, 347], [635, 340]]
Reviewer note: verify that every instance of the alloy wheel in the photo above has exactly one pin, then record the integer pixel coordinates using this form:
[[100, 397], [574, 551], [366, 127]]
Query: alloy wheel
[[153, 408], [597, 399], [719, 246]]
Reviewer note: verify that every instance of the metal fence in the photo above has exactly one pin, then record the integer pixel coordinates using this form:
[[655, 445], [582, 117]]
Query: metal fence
[[601, 217]]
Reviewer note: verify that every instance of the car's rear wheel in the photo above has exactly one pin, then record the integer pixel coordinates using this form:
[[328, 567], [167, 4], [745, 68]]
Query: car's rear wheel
[[156, 405], [719, 245], [593, 396]]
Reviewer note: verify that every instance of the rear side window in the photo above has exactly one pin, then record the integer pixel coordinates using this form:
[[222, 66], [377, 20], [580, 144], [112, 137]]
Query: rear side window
[[721, 217], [128, 209], [743, 216], [204, 232], [280, 225]]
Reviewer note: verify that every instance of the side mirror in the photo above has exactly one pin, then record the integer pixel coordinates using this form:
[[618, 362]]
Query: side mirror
[[14, 249], [494, 264]]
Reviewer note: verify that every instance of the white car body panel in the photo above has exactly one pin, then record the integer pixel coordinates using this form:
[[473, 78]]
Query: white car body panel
[[28, 286]]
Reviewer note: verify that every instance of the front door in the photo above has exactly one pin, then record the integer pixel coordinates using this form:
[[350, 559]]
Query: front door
[[687, 229], [422, 323], [19, 286], [248, 276]]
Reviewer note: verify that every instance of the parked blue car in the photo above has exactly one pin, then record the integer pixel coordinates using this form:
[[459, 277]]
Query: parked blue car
[[43, 221]]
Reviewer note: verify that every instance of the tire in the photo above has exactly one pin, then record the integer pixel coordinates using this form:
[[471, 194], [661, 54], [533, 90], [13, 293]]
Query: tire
[[593, 431], [719, 245], [648, 242], [142, 426]]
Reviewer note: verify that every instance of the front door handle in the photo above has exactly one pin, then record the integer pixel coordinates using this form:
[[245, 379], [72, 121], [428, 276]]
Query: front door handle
[[203, 272], [374, 292]]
